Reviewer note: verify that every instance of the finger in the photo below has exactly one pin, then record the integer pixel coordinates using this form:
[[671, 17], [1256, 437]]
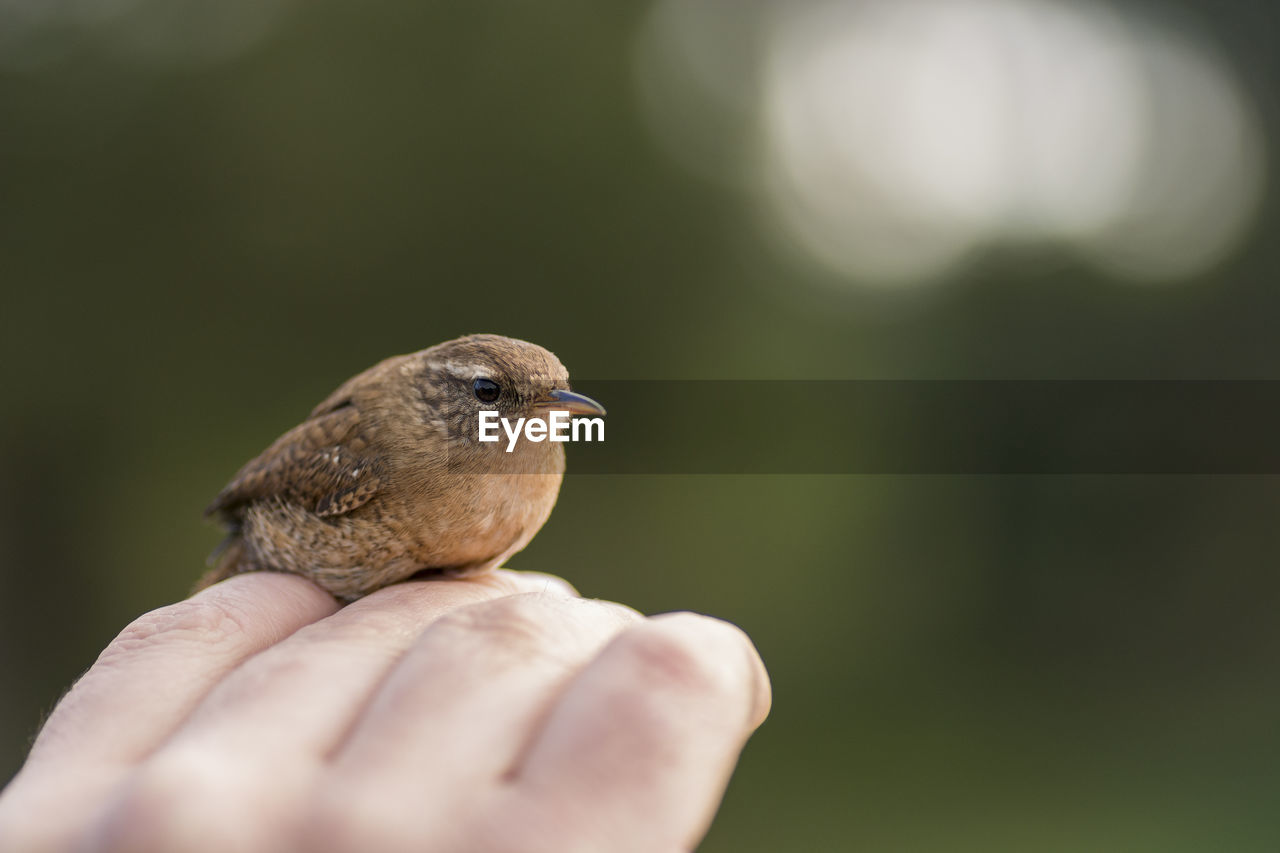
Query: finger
[[302, 695], [159, 667], [512, 582], [257, 742], [540, 582], [141, 687], [642, 743], [455, 714]]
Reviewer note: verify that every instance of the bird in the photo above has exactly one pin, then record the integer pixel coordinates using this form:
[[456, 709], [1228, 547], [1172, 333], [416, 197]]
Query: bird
[[387, 479]]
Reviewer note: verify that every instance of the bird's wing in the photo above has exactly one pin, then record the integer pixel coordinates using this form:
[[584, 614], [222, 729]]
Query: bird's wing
[[325, 464]]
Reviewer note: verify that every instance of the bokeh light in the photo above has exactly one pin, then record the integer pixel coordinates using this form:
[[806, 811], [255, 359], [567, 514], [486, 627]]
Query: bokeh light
[[894, 139]]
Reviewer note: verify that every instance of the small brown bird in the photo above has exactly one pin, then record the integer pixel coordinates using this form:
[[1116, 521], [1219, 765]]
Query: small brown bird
[[388, 478]]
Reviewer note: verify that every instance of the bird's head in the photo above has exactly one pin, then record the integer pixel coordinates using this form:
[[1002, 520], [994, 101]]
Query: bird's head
[[510, 378]]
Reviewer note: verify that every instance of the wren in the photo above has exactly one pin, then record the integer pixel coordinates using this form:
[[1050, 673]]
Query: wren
[[387, 479]]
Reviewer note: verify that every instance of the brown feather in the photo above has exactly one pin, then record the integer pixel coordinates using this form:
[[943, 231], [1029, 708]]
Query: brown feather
[[322, 464]]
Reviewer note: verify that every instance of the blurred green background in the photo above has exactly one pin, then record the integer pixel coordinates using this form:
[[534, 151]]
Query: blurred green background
[[211, 214]]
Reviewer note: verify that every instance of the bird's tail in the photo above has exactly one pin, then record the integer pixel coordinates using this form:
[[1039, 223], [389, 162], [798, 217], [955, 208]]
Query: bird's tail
[[225, 561]]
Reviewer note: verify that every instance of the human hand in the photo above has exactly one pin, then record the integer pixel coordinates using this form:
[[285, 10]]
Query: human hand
[[499, 713]]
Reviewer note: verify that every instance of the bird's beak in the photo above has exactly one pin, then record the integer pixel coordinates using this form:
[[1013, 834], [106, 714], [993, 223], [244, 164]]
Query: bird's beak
[[571, 402]]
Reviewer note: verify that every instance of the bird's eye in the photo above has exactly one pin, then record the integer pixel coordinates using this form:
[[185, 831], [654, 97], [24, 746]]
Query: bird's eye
[[486, 390]]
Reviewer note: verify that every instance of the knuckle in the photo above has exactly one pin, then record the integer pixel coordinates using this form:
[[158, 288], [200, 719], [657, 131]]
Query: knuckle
[[410, 595], [532, 628], [152, 812], [683, 651], [522, 623], [180, 801], [621, 614], [198, 621], [737, 661], [38, 819], [372, 627], [514, 582]]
